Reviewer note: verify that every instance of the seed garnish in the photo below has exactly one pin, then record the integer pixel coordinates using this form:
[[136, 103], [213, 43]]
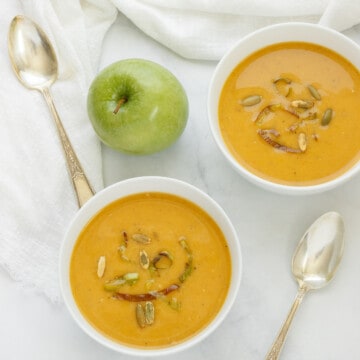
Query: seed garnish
[[327, 117], [149, 313], [302, 142], [144, 259], [140, 315], [141, 238], [101, 266], [302, 104], [251, 100], [314, 92], [126, 279]]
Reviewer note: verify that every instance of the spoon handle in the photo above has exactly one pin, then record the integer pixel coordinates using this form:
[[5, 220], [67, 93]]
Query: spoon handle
[[278, 344], [81, 184]]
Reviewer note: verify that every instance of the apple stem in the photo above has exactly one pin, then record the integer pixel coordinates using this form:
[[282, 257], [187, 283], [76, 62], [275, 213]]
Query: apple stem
[[118, 106]]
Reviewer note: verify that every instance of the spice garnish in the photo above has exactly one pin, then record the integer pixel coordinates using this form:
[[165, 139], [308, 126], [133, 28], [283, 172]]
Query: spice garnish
[[265, 134], [147, 296], [294, 126], [115, 284], [123, 246], [125, 238], [265, 112], [310, 117], [315, 137]]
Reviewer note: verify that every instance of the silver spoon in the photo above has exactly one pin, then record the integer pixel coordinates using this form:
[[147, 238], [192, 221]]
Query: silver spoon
[[35, 64], [314, 264]]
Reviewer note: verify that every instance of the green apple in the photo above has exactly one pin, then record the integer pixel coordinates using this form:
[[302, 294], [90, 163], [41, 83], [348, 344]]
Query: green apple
[[137, 106]]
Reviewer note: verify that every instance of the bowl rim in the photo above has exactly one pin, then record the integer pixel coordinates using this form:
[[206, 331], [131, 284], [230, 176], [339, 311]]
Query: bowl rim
[[140, 185], [285, 32]]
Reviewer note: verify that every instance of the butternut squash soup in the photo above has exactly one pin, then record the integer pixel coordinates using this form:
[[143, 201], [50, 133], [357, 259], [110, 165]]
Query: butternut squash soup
[[289, 113], [150, 270]]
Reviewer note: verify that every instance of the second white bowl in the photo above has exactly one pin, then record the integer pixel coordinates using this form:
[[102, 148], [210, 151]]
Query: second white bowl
[[287, 32]]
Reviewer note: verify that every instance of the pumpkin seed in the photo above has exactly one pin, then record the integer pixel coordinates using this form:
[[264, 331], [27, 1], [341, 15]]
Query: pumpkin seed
[[149, 283], [265, 112], [121, 250], [163, 260], [283, 86], [251, 100], [141, 238], [140, 315], [189, 264], [101, 266], [144, 259], [311, 116], [327, 117], [302, 104], [185, 245], [187, 271], [314, 92], [131, 278], [149, 313], [175, 304], [282, 79], [302, 142], [115, 284]]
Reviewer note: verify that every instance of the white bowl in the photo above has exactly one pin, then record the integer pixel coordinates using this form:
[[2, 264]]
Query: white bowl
[[257, 40], [139, 185]]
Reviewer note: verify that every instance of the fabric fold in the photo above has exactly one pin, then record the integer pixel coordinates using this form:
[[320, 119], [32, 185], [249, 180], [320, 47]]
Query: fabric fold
[[37, 199], [207, 29]]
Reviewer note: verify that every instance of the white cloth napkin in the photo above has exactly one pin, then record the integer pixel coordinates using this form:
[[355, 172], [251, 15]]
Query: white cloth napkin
[[37, 201], [206, 29]]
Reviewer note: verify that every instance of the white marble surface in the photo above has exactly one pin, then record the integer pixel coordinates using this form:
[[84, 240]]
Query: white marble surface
[[327, 326]]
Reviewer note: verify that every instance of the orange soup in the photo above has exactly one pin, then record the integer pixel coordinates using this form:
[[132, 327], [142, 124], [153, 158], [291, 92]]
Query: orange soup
[[150, 270], [289, 113]]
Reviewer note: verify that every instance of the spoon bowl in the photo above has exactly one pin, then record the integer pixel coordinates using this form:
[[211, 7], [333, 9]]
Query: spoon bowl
[[35, 64], [32, 56], [314, 264], [319, 252]]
